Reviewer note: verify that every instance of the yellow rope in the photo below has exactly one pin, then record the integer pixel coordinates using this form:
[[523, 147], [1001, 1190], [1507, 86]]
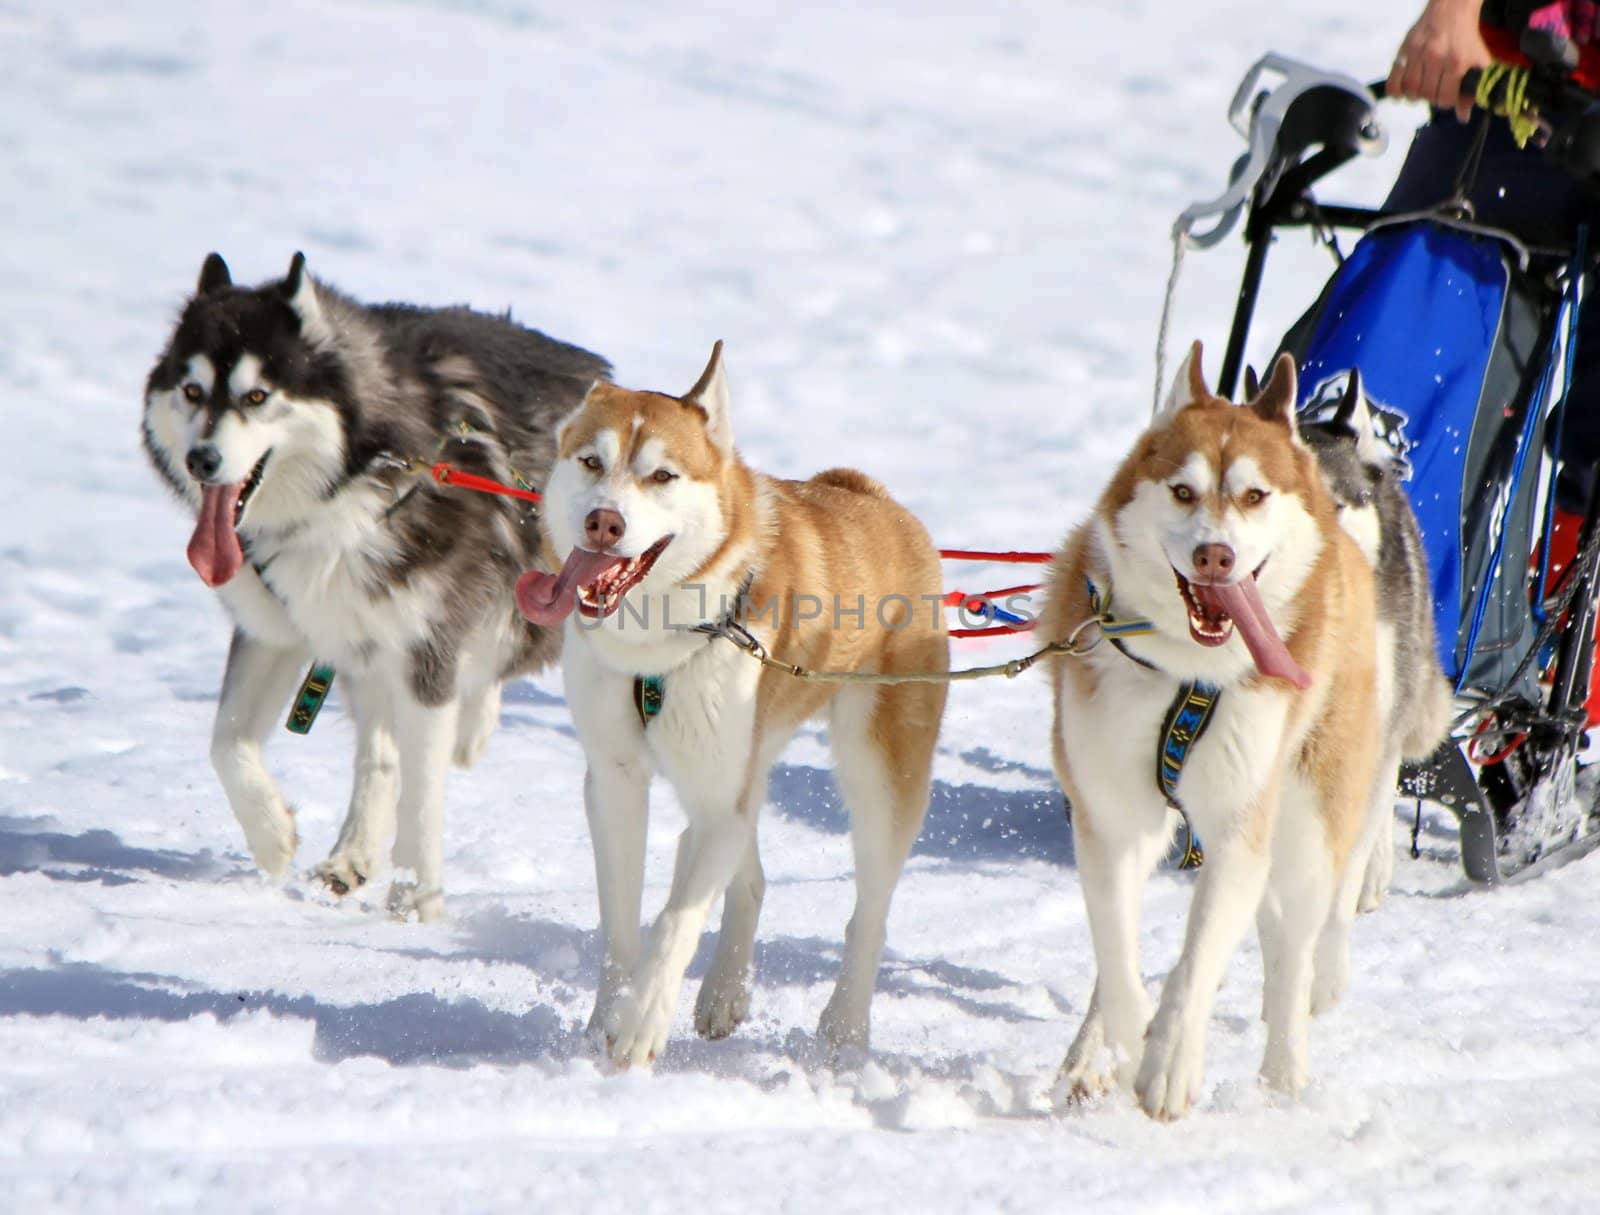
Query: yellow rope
[[1503, 90]]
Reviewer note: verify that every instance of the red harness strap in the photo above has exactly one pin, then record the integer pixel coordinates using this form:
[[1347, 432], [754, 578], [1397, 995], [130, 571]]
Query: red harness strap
[[446, 474]]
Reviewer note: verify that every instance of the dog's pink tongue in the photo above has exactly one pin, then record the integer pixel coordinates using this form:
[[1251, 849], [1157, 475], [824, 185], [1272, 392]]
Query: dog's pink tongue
[[549, 598], [1242, 602], [214, 548]]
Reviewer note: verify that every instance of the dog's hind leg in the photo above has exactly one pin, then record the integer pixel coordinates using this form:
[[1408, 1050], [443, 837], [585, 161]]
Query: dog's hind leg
[[426, 735], [1295, 908], [883, 743], [724, 999], [480, 714], [1374, 846], [256, 687], [371, 819], [1377, 875]]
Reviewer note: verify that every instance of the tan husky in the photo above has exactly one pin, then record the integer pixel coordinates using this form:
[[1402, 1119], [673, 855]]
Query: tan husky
[[665, 528], [1241, 693]]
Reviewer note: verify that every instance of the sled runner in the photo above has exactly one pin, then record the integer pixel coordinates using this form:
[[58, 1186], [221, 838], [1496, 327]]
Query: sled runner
[[1464, 338]]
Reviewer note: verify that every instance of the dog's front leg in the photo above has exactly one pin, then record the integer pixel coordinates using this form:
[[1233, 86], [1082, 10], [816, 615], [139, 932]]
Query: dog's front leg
[[256, 687], [1115, 856], [371, 818], [616, 800], [426, 735], [1226, 895], [709, 851]]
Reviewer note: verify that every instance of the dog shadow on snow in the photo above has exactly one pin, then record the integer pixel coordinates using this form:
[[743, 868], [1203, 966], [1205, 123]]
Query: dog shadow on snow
[[966, 822]]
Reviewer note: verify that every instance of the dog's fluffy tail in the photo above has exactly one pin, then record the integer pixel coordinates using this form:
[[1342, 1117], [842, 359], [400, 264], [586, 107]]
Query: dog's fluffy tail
[[849, 478], [1426, 721]]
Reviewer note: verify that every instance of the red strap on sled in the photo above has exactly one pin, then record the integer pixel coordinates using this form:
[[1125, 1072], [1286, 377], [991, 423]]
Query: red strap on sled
[[446, 474]]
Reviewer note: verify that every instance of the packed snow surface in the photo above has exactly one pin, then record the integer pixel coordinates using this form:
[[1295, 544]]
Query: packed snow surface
[[934, 239]]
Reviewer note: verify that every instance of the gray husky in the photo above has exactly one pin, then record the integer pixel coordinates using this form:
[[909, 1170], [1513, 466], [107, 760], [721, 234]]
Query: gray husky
[[1363, 473], [289, 418]]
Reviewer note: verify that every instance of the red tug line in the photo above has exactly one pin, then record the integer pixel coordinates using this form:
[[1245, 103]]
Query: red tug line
[[977, 605]]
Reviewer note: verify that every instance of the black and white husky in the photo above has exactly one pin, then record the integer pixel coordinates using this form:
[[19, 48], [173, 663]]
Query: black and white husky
[[1363, 475], [284, 416]]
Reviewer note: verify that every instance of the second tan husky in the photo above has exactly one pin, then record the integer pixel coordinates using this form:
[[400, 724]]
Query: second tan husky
[[658, 526], [1241, 693]]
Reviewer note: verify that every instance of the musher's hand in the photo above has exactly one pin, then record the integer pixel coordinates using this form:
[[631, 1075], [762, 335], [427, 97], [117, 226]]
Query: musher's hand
[[1437, 52]]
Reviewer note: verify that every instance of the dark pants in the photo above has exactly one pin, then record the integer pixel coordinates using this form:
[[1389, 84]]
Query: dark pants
[[1519, 190]]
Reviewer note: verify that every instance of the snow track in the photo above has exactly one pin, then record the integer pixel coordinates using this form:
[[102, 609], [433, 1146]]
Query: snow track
[[934, 239]]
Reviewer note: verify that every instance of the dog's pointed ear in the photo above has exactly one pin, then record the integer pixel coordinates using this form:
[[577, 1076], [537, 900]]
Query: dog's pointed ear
[[564, 427], [1252, 383], [1276, 402], [1350, 402], [1188, 386], [300, 291], [710, 396], [213, 275], [1355, 411]]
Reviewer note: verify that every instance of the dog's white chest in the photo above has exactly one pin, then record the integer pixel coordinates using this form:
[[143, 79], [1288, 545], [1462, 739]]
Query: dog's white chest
[[330, 582], [1114, 743]]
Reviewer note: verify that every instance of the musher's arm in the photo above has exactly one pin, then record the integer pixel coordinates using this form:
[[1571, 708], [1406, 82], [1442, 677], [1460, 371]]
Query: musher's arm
[[1437, 52]]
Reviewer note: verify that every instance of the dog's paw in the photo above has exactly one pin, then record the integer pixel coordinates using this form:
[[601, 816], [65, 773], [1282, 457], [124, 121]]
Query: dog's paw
[[342, 874], [721, 1006], [841, 1029], [405, 900], [1284, 1070], [1089, 1071], [1168, 1083], [270, 833], [638, 1024]]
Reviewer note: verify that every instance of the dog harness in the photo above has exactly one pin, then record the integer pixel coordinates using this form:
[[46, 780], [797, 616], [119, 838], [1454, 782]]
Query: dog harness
[[1186, 720], [649, 691], [308, 700]]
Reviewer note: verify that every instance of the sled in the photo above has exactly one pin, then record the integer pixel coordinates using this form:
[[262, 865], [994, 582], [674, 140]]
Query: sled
[[1463, 335]]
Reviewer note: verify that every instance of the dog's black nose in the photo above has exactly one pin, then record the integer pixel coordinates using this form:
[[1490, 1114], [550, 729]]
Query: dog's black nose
[[1212, 561], [203, 460], [603, 528]]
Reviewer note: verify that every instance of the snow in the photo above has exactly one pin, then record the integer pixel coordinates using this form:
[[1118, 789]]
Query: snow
[[934, 239]]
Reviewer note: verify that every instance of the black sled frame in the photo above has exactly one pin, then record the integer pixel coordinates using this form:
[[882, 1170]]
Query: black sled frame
[[1300, 132]]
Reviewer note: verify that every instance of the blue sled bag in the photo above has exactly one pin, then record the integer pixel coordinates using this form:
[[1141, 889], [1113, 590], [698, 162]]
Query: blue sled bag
[[1456, 349]]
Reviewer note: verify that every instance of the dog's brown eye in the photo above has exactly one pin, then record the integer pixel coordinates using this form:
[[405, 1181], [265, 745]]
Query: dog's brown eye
[[1183, 493], [193, 393], [1254, 497], [592, 463], [661, 476], [255, 396]]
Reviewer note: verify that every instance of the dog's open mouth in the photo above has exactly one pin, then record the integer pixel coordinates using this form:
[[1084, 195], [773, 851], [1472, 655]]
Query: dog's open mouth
[[1216, 610], [592, 583], [214, 548], [251, 484], [598, 599], [1210, 620]]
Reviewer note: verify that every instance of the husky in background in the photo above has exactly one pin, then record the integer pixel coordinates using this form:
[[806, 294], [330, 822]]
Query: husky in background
[[1246, 653], [1414, 696], [283, 416], [650, 500]]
